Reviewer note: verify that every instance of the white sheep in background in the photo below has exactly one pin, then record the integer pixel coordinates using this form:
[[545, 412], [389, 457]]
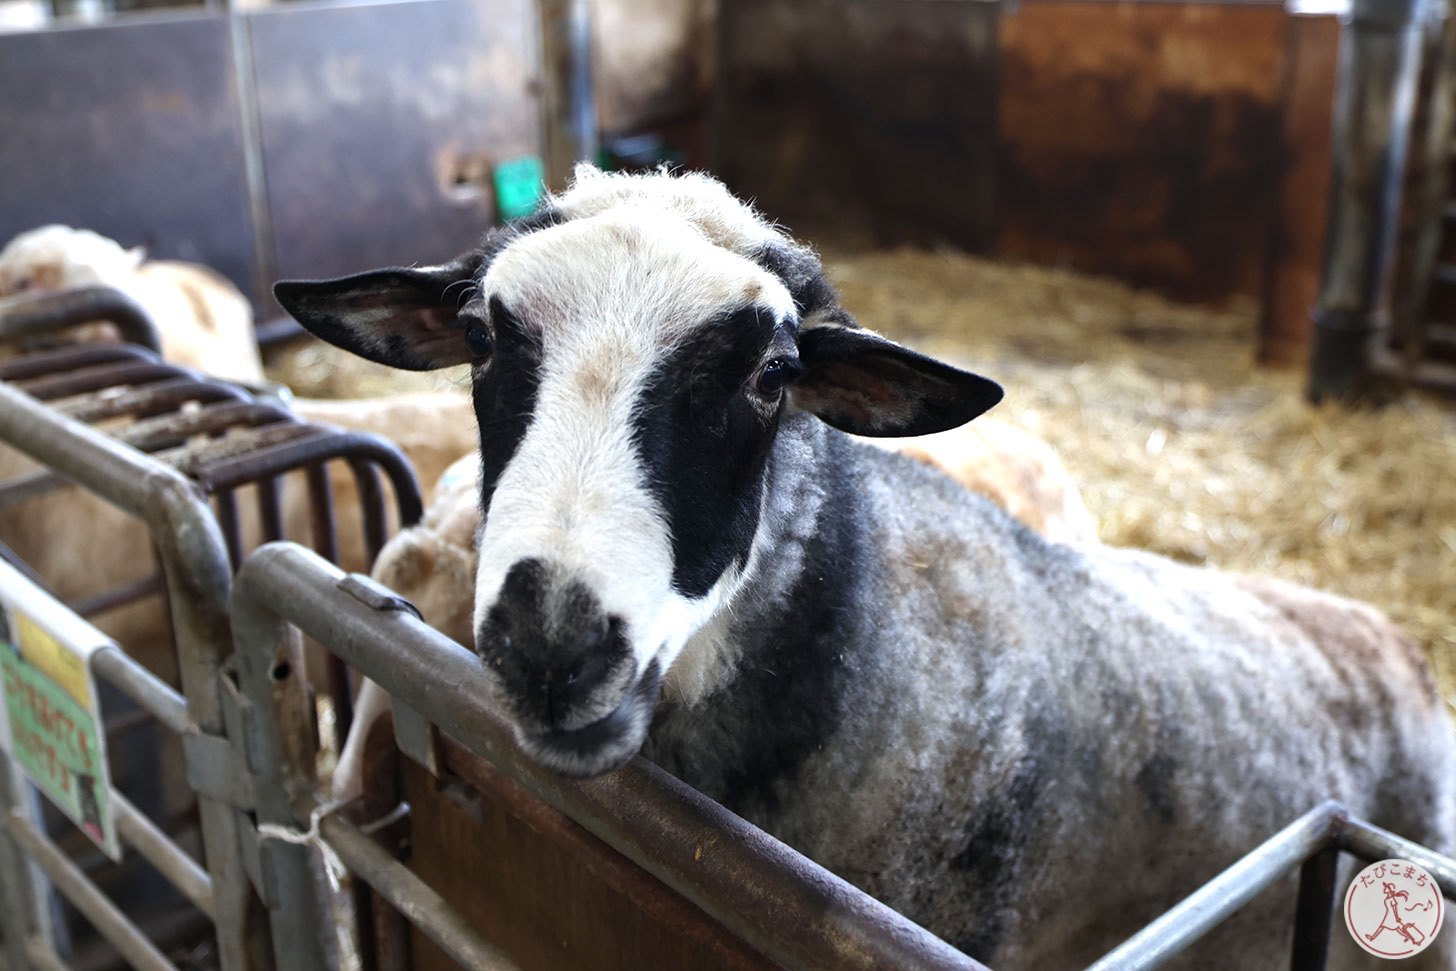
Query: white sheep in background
[[1030, 748], [204, 321]]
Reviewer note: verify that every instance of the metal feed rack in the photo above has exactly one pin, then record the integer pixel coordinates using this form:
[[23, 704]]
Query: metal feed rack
[[208, 438], [275, 849]]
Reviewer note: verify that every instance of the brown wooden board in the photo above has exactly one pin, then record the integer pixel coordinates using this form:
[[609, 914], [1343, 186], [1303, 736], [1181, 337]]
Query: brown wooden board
[[862, 117], [544, 890], [1141, 140], [1298, 238]]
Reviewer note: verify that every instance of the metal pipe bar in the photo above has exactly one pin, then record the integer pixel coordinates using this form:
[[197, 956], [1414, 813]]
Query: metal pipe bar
[[567, 102], [95, 378], [32, 485], [154, 695], [412, 897], [787, 907], [171, 861], [1371, 844], [117, 596], [30, 315], [326, 443], [1215, 901], [104, 915], [1315, 910], [1379, 61], [71, 358], [170, 430], [146, 400]]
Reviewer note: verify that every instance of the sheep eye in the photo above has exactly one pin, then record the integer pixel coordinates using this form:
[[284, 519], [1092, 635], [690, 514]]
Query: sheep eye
[[771, 378], [478, 339]]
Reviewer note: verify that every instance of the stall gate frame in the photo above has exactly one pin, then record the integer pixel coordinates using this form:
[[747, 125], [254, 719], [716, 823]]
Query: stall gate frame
[[197, 551]]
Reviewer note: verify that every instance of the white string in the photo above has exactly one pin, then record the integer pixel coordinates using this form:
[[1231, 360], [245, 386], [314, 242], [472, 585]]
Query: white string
[[334, 868]]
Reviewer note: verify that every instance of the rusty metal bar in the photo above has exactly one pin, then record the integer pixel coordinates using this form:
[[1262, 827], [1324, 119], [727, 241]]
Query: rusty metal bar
[[321, 512], [1379, 63], [146, 400], [270, 509], [167, 431], [70, 358], [31, 315], [787, 907], [95, 378], [226, 503]]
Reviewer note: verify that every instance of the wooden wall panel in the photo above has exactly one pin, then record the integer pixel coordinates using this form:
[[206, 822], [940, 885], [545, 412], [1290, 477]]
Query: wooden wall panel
[[1141, 140], [861, 116], [1298, 239], [543, 889]]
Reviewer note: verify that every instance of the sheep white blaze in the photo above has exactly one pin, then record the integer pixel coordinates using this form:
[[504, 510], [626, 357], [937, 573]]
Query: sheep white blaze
[[580, 606]]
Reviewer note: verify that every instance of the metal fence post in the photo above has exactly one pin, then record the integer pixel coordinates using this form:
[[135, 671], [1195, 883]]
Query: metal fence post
[[1380, 53], [25, 898], [280, 754], [1314, 913]]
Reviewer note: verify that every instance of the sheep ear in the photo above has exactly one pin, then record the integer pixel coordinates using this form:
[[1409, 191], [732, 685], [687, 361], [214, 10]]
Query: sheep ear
[[864, 384], [137, 255], [403, 317]]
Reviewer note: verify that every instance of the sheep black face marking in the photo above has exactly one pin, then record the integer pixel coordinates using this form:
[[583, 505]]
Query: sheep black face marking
[[624, 437], [703, 441]]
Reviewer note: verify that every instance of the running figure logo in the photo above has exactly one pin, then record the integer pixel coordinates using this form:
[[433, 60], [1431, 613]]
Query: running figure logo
[[1393, 909]]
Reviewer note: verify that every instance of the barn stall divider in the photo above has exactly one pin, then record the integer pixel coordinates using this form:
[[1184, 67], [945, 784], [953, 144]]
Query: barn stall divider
[[209, 439], [458, 818]]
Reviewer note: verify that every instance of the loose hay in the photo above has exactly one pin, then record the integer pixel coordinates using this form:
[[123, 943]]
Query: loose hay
[[1180, 444]]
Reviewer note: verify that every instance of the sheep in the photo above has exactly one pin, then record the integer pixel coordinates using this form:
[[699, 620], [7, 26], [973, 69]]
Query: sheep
[[1031, 748], [204, 321], [432, 564]]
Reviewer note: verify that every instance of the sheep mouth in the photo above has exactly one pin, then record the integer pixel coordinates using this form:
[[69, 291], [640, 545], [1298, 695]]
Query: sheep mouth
[[605, 744]]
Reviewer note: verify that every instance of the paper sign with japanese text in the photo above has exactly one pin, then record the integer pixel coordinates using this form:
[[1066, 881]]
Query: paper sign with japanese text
[[52, 726]]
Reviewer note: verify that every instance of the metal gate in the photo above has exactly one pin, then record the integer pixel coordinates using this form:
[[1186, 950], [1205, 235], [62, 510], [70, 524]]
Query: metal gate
[[207, 439]]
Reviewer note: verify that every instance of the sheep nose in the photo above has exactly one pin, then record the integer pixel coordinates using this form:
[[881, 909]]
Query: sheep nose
[[550, 644]]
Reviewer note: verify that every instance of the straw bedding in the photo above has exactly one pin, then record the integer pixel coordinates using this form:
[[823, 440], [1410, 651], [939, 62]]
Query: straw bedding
[[1179, 443]]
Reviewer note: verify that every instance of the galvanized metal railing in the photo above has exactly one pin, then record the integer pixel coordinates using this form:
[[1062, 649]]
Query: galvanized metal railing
[[46, 401], [787, 907], [1312, 844], [197, 577]]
